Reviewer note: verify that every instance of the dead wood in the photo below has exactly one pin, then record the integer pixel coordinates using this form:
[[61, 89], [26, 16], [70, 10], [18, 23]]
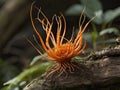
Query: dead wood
[[101, 74], [107, 52]]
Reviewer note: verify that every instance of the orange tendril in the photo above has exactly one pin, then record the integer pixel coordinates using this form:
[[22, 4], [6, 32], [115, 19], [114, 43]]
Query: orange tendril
[[60, 52]]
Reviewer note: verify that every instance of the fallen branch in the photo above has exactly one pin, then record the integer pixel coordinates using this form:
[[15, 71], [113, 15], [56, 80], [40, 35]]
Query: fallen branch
[[108, 52], [100, 74]]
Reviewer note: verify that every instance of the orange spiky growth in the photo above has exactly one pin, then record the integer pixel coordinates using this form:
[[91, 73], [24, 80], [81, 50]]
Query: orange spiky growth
[[60, 52]]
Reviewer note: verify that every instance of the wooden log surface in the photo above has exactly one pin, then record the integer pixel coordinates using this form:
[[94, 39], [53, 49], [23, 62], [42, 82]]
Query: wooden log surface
[[100, 74]]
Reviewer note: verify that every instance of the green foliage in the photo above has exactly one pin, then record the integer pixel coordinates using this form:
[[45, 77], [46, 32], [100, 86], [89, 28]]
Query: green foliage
[[74, 10], [110, 15], [93, 8], [110, 31], [7, 72], [37, 58], [26, 76], [90, 10]]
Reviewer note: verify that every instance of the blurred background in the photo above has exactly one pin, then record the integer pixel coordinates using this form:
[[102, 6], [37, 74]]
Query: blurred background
[[16, 53]]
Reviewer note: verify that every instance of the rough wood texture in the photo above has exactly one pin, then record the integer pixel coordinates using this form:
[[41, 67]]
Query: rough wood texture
[[107, 52], [66, 80], [102, 74]]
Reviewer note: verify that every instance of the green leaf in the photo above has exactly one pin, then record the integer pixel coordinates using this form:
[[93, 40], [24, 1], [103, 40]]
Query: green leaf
[[112, 40], [37, 58], [74, 10], [41, 68], [109, 31], [78, 58], [111, 15], [93, 9]]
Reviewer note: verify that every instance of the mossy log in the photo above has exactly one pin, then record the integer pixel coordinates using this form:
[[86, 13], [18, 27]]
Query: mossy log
[[100, 74]]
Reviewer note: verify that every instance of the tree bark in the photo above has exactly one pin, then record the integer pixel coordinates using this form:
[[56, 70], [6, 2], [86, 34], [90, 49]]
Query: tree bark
[[100, 74]]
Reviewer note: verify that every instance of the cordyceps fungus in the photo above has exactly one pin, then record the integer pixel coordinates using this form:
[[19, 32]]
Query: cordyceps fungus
[[61, 52]]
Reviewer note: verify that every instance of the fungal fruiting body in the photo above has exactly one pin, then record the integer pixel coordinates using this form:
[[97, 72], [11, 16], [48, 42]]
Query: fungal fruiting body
[[61, 52]]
